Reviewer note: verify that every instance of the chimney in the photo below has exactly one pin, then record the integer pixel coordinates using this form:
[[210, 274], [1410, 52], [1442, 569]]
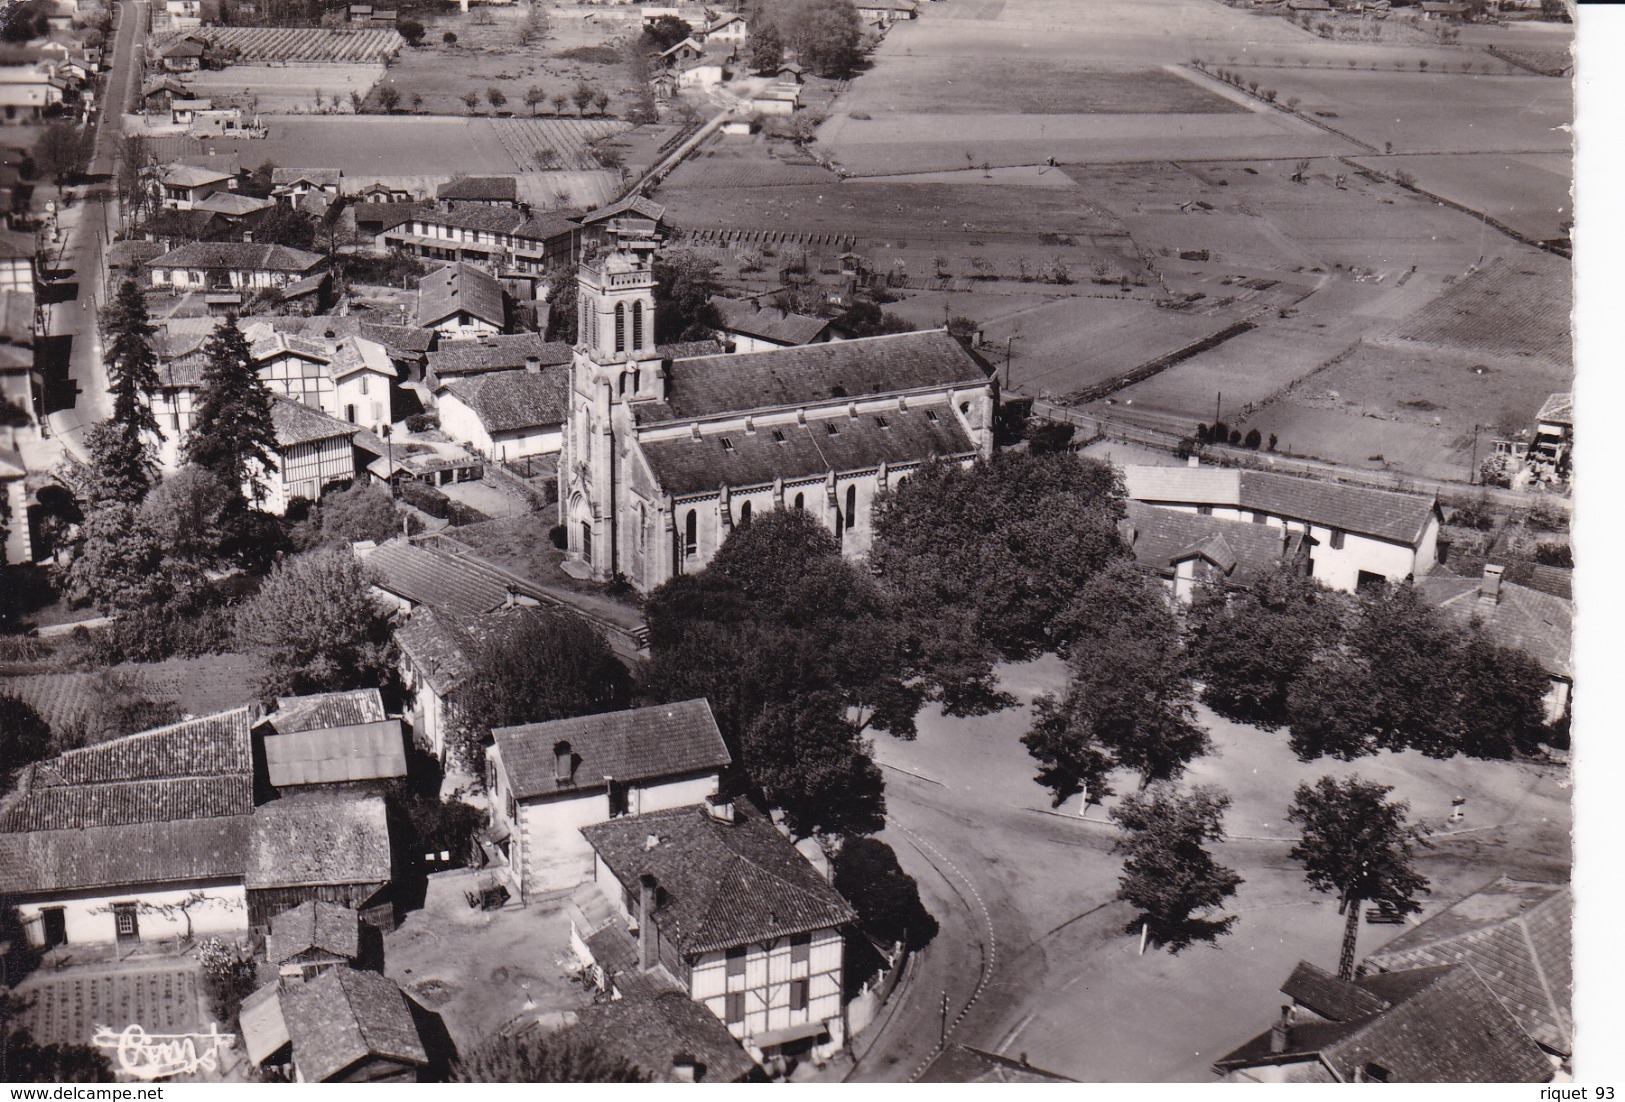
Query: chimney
[[646, 913], [1193, 461], [248, 237], [1281, 1032], [720, 807], [1489, 588], [685, 1068], [564, 764], [533, 365], [1126, 529]]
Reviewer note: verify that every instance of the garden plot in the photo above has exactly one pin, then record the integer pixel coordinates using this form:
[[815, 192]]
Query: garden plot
[[1023, 86], [288, 89], [1432, 112], [338, 47], [1528, 193], [749, 166], [66, 1007], [1517, 308]]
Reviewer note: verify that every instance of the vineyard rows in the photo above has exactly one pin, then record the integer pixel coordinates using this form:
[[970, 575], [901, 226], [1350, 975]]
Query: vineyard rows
[[570, 140], [302, 43]]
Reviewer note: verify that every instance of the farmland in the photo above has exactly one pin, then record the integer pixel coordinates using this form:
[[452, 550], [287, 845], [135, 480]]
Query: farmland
[[1514, 308], [287, 89], [1527, 192], [337, 47], [1037, 87]]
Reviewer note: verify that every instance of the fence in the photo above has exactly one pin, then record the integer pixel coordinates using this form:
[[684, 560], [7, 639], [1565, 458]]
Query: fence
[[861, 1011]]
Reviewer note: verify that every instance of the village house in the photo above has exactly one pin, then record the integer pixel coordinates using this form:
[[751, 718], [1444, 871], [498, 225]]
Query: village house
[[1187, 549], [666, 1035], [549, 780], [292, 184], [183, 56], [500, 238], [1540, 624], [409, 577], [463, 357], [314, 451], [313, 938], [26, 91], [21, 380], [232, 265], [732, 27], [497, 191], [434, 663], [184, 14], [748, 326], [348, 378], [883, 13], [17, 262], [343, 1026], [662, 458], [725, 909], [233, 209], [1358, 537], [1550, 453], [689, 49], [460, 300], [507, 415]]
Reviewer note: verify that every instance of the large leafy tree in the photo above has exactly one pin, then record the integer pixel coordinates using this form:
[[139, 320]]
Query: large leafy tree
[[118, 566], [1168, 874], [531, 666], [233, 435], [1356, 843], [1500, 703], [1250, 647], [1129, 703], [827, 35], [123, 458], [570, 1055], [809, 760], [983, 558], [665, 32], [24, 736], [866, 873], [766, 49], [316, 625], [685, 281]]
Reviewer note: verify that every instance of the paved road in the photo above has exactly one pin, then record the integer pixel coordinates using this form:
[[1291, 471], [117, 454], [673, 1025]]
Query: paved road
[[76, 378]]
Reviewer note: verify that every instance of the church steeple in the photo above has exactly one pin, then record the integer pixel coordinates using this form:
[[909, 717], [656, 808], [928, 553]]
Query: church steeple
[[615, 296]]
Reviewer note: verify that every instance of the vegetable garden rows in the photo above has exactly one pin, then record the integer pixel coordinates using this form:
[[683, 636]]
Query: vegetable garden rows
[[301, 43]]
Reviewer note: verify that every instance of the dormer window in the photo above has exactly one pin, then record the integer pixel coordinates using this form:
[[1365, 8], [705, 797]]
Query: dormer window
[[931, 415], [882, 422], [727, 445], [778, 437], [831, 429]]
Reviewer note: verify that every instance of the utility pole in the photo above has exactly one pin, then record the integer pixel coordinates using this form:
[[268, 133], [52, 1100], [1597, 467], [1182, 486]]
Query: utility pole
[[1218, 400], [1472, 472], [1009, 342]]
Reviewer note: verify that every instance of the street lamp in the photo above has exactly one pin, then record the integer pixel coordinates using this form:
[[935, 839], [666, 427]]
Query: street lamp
[[389, 471]]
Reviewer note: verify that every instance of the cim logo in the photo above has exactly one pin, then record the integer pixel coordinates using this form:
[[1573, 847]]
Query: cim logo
[[161, 1055]]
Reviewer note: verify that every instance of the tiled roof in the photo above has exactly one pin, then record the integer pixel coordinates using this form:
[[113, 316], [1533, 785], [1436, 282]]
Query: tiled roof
[[132, 254], [498, 189], [211, 746], [126, 855], [190, 176], [459, 288], [667, 740], [297, 423], [684, 465], [232, 204], [496, 352], [1440, 1025], [816, 373], [726, 884], [1384, 514], [1241, 550], [430, 578], [260, 1019], [344, 1016], [312, 713], [321, 177], [1539, 624], [633, 204], [311, 838], [769, 322], [388, 215], [400, 341], [238, 256], [1517, 937], [509, 400], [354, 752], [314, 924], [17, 316], [168, 800], [437, 649], [1329, 996], [653, 1030], [1558, 409]]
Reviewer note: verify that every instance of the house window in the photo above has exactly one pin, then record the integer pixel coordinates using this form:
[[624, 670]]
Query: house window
[[744, 515], [727, 445], [1259, 518], [1337, 539], [931, 415], [736, 961], [586, 542], [55, 920], [643, 525], [620, 327], [363, 386], [798, 994], [831, 429], [851, 507], [619, 800], [734, 1011], [882, 422], [1367, 582], [800, 948], [637, 324], [125, 924], [1204, 510], [513, 809], [778, 437]]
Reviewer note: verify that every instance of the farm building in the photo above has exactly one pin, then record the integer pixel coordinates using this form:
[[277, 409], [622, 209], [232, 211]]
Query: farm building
[[183, 56], [410, 577], [776, 99], [1186, 549], [493, 352], [883, 13], [232, 207], [506, 240], [231, 265], [662, 457], [159, 95], [460, 300], [1358, 536], [768, 964], [507, 415], [1538, 623], [748, 326], [1550, 451], [501, 191], [666, 1035], [312, 938], [549, 780], [343, 1026], [689, 49], [314, 451]]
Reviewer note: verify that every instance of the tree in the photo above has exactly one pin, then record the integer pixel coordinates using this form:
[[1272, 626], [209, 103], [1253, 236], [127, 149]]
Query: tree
[[560, 99], [186, 515], [316, 625], [24, 737], [766, 49], [662, 34], [583, 96], [122, 458], [982, 558], [449, 38], [364, 511], [26, 21], [1168, 874], [1500, 702], [535, 95], [866, 873], [1130, 696], [535, 665], [561, 302], [685, 282], [60, 151], [417, 102], [826, 35], [389, 98], [601, 101], [471, 100], [1250, 647], [118, 565], [865, 319], [570, 1055], [233, 436], [1357, 844], [411, 30], [495, 97], [808, 760]]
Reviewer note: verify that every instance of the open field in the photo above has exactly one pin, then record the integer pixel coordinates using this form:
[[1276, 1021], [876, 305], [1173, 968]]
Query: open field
[[1019, 86], [746, 164], [1432, 112], [287, 89], [403, 145], [362, 47], [1513, 308]]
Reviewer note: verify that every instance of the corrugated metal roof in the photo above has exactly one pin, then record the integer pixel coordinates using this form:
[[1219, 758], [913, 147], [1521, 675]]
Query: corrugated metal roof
[[334, 755]]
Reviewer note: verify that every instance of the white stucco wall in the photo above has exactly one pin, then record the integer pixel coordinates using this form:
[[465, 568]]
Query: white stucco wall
[[766, 984], [89, 915]]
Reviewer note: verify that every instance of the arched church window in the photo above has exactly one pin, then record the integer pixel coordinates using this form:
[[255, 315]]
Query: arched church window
[[744, 515], [801, 502], [637, 325], [691, 534], [851, 507], [620, 329]]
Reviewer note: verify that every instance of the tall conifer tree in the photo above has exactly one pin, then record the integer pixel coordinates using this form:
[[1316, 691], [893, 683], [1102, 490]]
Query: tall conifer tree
[[232, 434], [122, 454]]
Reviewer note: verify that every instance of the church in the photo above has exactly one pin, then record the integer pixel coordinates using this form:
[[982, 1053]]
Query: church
[[661, 459]]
